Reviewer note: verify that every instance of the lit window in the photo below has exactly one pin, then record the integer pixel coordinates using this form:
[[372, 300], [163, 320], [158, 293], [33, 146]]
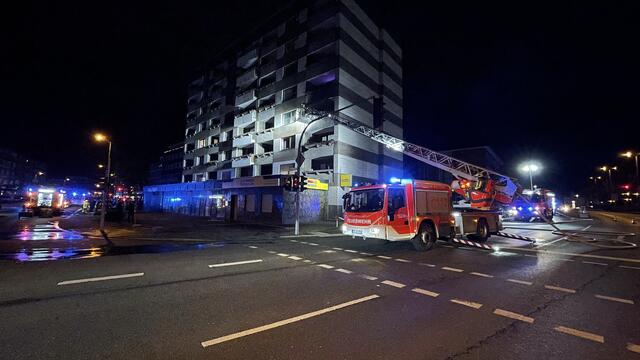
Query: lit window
[[289, 117], [289, 142]]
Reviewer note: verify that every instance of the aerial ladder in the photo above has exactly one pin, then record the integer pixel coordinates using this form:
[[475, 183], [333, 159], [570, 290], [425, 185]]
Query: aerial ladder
[[482, 188]]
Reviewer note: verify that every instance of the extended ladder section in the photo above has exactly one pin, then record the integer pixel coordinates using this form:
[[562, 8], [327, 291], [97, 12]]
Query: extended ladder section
[[458, 168]]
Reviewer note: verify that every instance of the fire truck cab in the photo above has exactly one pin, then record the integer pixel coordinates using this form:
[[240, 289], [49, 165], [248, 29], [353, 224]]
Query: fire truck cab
[[415, 210]]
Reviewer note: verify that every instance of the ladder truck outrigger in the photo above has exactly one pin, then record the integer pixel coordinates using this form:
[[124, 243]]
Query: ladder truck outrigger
[[424, 211]]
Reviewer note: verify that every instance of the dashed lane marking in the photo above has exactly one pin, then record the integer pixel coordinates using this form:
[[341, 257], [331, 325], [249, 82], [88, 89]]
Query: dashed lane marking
[[425, 292], [329, 251], [520, 282], [384, 257], [394, 284], [630, 267], [344, 271], [481, 274], [271, 252], [559, 288], [470, 304], [283, 255], [580, 333], [325, 266], [368, 277], [102, 278], [425, 264], [402, 260], [307, 260], [602, 257], [452, 269], [252, 247], [633, 347], [513, 315], [366, 254], [294, 241], [595, 263], [338, 249], [312, 244], [625, 301], [285, 322], [295, 258], [235, 263], [351, 251]]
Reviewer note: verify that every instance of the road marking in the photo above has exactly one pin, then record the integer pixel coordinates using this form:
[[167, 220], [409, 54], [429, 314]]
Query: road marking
[[358, 259], [529, 255], [271, 252], [579, 333], [366, 254], [102, 278], [294, 241], [402, 260], [252, 247], [561, 259], [368, 277], [344, 271], [285, 322], [630, 267], [384, 257], [633, 347], [283, 255], [595, 263], [307, 261], [513, 315], [558, 288], [470, 304], [452, 269], [295, 258], [235, 263], [571, 254], [394, 284], [312, 244], [338, 249], [604, 297], [425, 264], [481, 274], [325, 266], [520, 282], [329, 251], [351, 251], [425, 292]]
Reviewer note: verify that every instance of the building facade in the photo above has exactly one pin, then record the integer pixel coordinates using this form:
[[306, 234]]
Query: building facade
[[168, 169], [244, 115], [16, 171]]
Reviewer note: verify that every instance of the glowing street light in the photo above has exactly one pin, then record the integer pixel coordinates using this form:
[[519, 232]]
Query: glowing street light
[[629, 155], [99, 137], [530, 168], [608, 169]]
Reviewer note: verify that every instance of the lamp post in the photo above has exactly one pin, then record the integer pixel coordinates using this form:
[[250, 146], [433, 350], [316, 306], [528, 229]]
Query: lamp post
[[608, 169], [629, 155], [103, 138], [530, 168]]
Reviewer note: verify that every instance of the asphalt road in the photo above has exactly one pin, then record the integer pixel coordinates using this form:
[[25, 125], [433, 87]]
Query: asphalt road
[[322, 296]]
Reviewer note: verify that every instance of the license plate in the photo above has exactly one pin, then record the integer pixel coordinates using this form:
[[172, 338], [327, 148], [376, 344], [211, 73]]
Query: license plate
[[356, 231]]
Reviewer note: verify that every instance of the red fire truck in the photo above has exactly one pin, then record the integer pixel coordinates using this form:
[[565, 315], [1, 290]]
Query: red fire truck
[[416, 210], [44, 202]]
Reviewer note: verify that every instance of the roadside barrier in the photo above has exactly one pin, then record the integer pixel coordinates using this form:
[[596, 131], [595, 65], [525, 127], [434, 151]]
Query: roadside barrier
[[515, 236], [473, 243]]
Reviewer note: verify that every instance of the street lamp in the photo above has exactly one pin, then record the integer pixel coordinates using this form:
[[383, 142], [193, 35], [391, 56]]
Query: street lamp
[[608, 169], [530, 168], [629, 155], [103, 138], [100, 166]]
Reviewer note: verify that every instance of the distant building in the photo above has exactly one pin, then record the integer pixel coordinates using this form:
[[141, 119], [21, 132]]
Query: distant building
[[482, 156], [243, 123], [17, 170], [168, 169]]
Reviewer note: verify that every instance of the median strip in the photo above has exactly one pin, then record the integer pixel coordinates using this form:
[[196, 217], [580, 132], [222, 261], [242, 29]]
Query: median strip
[[513, 315], [102, 278], [580, 334], [280, 323]]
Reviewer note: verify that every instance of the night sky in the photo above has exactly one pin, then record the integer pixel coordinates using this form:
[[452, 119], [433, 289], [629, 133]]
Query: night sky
[[555, 83]]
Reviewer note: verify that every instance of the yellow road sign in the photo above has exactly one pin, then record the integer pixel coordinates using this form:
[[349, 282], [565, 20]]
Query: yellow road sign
[[316, 184], [345, 180]]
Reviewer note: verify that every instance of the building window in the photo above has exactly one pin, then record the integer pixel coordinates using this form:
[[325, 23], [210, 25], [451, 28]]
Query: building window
[[290, 93], [290, 69], [212, 175], [200, 177], [188, 178], [202, 126], [246, 171], [267, 203], [213, 140], [266, 169], [213, 157], [190, 132], [289, 142], [269, 79], [200, 160], [201, 143], [322, 163], [188, 163], [287, 169], [289, 117], [250, 204]]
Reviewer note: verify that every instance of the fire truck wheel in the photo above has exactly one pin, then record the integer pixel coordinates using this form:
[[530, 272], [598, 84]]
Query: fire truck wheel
[[425, 239], [482, 232]]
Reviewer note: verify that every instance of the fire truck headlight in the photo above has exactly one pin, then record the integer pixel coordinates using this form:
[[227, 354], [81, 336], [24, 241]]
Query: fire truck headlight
[[455, 214]]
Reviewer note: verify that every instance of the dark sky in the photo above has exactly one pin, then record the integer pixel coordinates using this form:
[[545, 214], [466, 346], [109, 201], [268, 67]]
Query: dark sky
[[556, 83]]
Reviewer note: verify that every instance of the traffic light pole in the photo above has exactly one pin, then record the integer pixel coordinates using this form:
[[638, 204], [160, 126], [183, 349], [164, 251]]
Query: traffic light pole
[[300, 160]]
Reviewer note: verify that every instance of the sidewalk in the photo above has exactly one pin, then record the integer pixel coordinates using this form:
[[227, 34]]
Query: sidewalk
[[176, 227]]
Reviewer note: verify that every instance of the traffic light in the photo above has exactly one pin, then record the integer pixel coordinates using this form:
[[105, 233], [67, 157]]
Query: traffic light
[[302, 183], [295, 186], [288, 183]]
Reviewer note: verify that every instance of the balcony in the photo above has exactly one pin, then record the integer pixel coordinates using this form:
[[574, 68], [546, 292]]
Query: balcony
[[245, 119], [266, 114], [246, 98], [245, 61], [243, 140], [266, 158], [247, 78], [266, 135], [242, 161]]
